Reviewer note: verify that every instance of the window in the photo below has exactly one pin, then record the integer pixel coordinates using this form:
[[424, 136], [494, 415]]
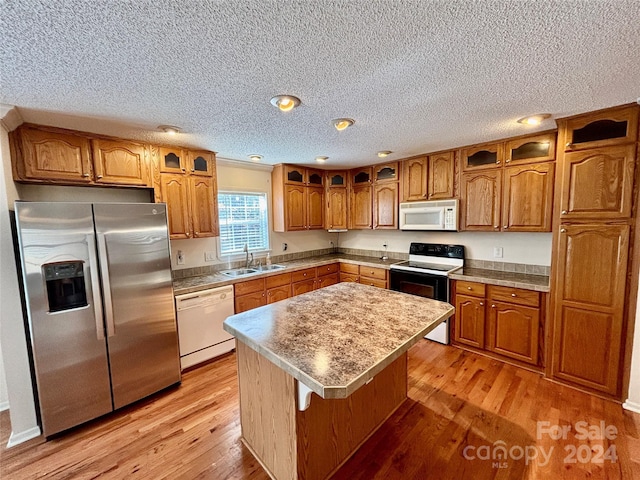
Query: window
[[243, 220]]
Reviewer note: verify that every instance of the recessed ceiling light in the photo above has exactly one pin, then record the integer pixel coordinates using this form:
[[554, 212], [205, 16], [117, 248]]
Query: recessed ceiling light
[[534, 119], [321, 159], [384, 153], [285, 102], [342, 123], [254, 157], [170, 129]]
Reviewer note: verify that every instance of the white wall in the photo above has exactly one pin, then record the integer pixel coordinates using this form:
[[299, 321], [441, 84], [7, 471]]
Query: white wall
[[633, 398], [246, 177], [529, 248]]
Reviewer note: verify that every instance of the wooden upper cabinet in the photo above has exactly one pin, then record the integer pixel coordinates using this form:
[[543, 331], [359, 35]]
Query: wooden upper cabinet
[[175, 192], [337, 210], [600, 129], [298, 198], [201, 163], [53, 156], [315, 178], [296, 210], [480, 205], [488, 155], [360, 203], [536, 148], [315, 208], [203, 209], [591, 265], [386, 172], [337, 179], [120, 163], [527, 198], [295, 175], [414, 179], [172, 160], [361, 176], [597, 183], [441, 175], [385, 206]]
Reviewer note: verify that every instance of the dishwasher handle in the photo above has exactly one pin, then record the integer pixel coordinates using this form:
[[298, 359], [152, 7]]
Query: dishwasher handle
[[203, 298]]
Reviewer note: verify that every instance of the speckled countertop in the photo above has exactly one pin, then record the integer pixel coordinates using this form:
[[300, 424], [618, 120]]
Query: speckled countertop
[[203, 282], [538, 283], [337, 338]]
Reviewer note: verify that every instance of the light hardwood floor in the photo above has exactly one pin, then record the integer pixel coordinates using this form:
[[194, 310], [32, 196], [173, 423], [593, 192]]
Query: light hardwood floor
[[460, 407]]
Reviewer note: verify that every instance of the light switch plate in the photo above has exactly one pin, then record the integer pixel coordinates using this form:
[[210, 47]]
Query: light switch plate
[[180, 258], [209, 256], [497, 252]]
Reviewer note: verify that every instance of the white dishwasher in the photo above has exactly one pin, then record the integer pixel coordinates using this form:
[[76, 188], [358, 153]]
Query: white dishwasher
[[200, 317]]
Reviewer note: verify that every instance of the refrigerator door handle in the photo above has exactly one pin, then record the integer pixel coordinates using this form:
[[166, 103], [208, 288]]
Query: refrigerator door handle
[[95, 287], [106, 284]]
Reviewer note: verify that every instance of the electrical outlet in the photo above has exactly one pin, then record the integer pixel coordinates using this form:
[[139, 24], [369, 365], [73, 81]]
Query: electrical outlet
[[284, 247], [497, 252], [180, 258], [209, 256]]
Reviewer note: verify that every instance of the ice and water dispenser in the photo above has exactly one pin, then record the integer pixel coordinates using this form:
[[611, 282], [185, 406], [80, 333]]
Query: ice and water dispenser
[[65, 285]]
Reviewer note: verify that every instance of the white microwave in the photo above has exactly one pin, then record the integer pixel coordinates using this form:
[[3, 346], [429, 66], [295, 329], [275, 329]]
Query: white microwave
[[438, 215]]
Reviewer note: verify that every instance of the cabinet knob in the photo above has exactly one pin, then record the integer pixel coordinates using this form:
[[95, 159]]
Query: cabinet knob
[[188, 234], [196, 233], [270, 293], [468, 288], [505, 227], [304, 274], [569, 145], [482, 304], [193, 170], [513, 295], [508, 160], [563, 230], [98, 176], [497, 162], [564, 212], [183, 169], [496, 226], [85, 174], [263, 294], [493, 306]]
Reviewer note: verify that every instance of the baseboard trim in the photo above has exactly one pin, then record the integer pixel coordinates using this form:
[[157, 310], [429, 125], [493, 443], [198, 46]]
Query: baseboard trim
[[21, 437], [4, 406], [631, 406]]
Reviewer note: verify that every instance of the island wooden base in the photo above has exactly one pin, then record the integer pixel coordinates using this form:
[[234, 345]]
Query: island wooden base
[[312, 444]]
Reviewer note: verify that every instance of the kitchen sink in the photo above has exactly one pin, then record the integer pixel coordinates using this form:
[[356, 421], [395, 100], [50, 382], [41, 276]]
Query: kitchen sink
[[267, 268], [239, 272]]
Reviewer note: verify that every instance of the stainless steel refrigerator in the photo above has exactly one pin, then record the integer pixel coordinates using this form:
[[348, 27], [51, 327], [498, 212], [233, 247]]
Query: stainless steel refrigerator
[[100, 307]]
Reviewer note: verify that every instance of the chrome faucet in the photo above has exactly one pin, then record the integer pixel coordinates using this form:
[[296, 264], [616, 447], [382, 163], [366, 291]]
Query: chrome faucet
[[247, 262]]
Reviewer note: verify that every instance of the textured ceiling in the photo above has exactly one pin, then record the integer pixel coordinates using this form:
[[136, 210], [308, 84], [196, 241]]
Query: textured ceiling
[[417, 76]]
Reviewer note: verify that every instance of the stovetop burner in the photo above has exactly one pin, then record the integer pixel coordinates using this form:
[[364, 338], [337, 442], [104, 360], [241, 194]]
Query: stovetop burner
[[434, 258]]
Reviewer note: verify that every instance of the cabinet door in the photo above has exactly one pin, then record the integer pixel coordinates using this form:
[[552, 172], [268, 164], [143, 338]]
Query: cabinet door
[[600, 129], [172, 160], [175, 193], [360, 207], [315, 178], [591, 266], [298, 288], [55, 156], [441, 168], [295, 207], [385, 172], [527, 200], [250, 301], [537, 148], [488, 155], [203, 212], [481, 194], [326, 280], [337, 208], [514, 331], [120, 163], [278, 293], [469, 321], [385, 206], [315, 208], [598, 184], [414, 179], [294, 175], [361, 176], [337, 179], [201, 163]]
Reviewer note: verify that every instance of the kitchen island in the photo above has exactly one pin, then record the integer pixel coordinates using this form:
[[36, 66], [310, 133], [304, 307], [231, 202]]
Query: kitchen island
[[320, 372]]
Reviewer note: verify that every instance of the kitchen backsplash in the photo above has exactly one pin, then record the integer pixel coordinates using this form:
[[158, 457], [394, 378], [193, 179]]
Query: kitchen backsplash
[[482, 264]]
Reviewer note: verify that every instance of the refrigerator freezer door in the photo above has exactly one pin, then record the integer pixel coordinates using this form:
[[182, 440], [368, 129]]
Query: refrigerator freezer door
[[67, 338], [141, 325]]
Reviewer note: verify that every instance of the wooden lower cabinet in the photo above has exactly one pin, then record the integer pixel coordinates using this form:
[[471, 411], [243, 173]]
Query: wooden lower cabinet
[[501, 320], [304, 286], [278, 293], [374, 276], [589, 304]]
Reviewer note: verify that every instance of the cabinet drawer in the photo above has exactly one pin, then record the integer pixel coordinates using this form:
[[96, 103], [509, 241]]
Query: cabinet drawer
[[277, 280], [470, 288], [305, 274], [373, 272], [514, 295], [374, 282], [250, 286], [328, 269], [350, 268]]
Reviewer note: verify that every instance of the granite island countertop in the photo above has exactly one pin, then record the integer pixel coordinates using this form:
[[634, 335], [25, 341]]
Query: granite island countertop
[[539, 283], [336, 339], [213, 280]]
